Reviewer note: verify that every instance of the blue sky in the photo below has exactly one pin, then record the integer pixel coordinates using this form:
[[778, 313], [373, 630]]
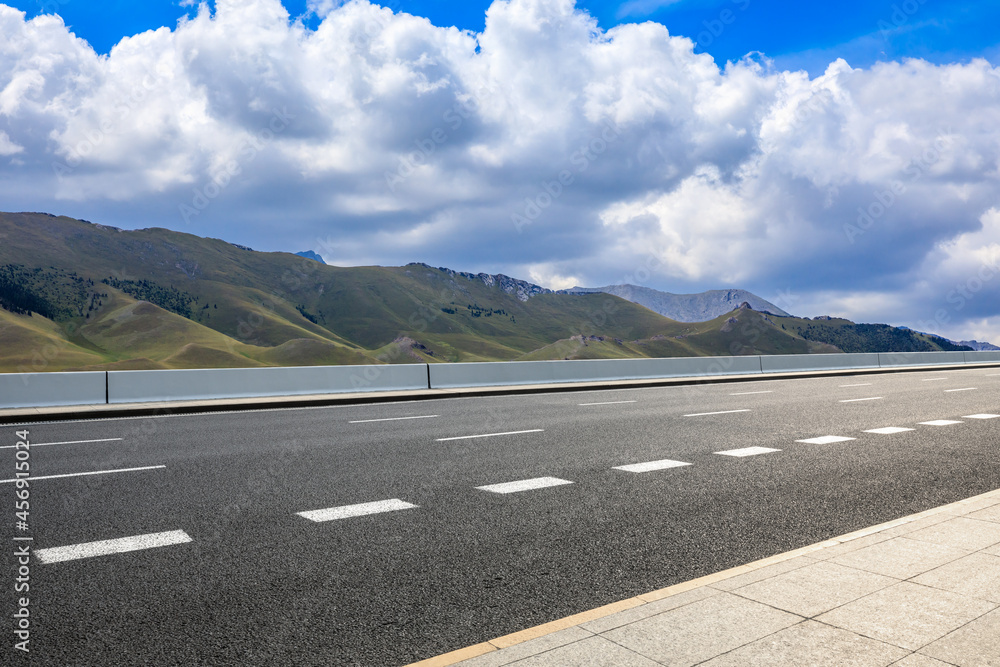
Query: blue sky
[[851, 167], [795, 34]]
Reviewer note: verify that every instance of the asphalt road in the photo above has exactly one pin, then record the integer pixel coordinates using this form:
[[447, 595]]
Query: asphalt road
[[258, 584]]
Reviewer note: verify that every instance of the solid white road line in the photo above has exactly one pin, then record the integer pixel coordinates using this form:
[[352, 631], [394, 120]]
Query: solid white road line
[[652, 465], [933, 379], [389, 419], [361, 509], [866, 384], [941, 422], [490, 435], [524, 485], [34, 478], [826, 440], [107, 547], [889, 430], [607, 403], [750, 393], [68, 442], [948, 391], [856, 400], [981, 416], [724, 412], [748, 451]]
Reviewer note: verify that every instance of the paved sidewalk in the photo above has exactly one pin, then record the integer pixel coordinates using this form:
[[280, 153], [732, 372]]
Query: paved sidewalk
[[922, 591]]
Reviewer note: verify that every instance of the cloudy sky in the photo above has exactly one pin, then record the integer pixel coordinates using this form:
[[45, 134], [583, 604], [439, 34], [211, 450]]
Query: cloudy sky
[[835, 158]]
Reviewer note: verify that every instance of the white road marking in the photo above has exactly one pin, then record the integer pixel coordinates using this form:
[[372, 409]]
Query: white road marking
[[361, 509], [866, 384], [491, 435], [889, 430], [68, 442], [524, 485], [652, 465], [607, 403], [981, 416], [856, 400], [948, 391], [826, 440], [751, 393], [941, 422], [724, 412], [107, 547], [748, 451], [389, 419], [35, 478], [933, 379]]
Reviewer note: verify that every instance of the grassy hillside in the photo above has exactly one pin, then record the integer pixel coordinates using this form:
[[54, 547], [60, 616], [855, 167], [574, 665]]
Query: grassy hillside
[[76, 295]]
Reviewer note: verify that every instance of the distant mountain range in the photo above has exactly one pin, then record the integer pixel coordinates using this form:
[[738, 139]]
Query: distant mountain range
[[78, 295], [685, 307], [978, 346]]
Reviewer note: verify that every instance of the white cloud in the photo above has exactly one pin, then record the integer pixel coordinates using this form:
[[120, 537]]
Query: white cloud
[[541, 147]]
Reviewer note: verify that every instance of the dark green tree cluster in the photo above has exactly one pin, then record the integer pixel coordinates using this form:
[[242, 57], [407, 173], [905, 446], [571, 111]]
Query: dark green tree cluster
[[853, 338], [168, 298], [17, 298]]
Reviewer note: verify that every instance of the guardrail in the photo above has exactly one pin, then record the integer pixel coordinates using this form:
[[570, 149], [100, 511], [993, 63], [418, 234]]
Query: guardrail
[[26, 390]]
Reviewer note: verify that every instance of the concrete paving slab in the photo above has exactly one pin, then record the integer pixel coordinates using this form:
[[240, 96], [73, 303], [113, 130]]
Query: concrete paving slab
[[975, 576], [816, 588], [960, 533], [732, 583], [990, 513], [900, 558], [814, 644], [850, 545], [593, 652], [530, 648], [918, 524], [907, 615], [975, 645], [645, 611], [702, 630], [917, 660]]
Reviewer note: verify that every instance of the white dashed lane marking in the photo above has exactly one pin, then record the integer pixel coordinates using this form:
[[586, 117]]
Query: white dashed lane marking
[[747, 451], [889, 430], [724, 412], [490, 435], [866, 384], [652, 465], [108, 547], [361, 509], [856, 400], [933, 379], [35, 478], [390, 419], [948, 391], [941, 422], [826, 440], [607, 403], [67, 442], [524, 485], [751, 393], [981, 416]]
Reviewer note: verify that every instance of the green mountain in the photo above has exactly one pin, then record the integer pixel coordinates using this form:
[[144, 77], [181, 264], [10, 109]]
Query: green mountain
[[686, 307], [77, 295]]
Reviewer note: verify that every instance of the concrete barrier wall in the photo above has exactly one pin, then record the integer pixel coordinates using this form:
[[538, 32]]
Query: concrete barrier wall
[[782, 363], [36, 390], [484, 374], [982, 357], [891, 359], [186, 385]]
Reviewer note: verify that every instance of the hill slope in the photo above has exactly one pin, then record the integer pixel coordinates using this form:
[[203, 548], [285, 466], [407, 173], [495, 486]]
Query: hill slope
[[77, 295], [685, 307]]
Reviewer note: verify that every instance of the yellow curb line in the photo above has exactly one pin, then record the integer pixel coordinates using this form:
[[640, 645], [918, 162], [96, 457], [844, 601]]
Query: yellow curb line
[[454, 657]]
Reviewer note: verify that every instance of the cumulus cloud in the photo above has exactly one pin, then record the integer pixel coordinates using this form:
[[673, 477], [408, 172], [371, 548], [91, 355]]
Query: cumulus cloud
[[542, 147]]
